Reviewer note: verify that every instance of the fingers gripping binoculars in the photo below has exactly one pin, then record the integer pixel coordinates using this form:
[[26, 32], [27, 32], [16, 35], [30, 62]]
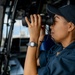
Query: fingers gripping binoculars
[[46, 20]]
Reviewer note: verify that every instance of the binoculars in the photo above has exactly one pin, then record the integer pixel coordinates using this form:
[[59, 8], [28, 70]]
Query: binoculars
[[46, 20]]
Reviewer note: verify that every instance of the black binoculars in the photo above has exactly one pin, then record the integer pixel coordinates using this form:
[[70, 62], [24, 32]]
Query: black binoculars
[[46, 20]]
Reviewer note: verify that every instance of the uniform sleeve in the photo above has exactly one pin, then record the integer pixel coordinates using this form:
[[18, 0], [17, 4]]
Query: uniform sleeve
[[43, 58], [44, 71]]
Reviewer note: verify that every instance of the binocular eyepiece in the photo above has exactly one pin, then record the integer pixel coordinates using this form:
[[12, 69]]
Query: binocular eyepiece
[[46, 20]]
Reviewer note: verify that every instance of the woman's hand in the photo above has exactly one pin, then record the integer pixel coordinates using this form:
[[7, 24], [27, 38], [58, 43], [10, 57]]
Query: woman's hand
[[34, 26], [42, 33]]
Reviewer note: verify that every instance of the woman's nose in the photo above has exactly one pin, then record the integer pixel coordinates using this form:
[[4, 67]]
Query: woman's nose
[[51, 26]]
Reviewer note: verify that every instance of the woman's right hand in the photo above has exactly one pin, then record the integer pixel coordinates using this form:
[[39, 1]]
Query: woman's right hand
[[34, 26]]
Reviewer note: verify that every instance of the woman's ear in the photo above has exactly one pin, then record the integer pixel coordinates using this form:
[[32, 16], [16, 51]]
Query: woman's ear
[[71, 26]]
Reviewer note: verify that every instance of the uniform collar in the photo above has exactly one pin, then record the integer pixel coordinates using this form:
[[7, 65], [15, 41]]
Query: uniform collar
[[71, 46]]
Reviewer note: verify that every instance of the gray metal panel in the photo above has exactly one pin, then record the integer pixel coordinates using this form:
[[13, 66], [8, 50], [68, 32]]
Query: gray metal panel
[[2, 2], [1, 20]]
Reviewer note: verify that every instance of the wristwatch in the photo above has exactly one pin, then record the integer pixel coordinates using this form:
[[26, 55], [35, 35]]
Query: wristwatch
[[32, 44]]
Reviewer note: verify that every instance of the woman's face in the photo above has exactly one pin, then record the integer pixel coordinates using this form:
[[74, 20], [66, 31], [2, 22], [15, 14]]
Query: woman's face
[[59, 30]]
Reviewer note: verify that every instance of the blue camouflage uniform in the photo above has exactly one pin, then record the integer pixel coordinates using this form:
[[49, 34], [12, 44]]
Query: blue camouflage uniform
[[61, 64]]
